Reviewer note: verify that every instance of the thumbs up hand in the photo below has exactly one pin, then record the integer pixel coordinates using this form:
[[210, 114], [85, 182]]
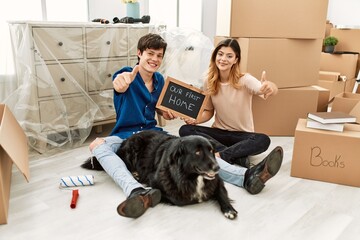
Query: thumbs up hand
[[123, 80], [267, 88], [263, 76]]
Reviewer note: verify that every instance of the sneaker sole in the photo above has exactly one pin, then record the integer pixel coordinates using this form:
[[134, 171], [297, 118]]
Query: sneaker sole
[[272, 167], [136, 206]]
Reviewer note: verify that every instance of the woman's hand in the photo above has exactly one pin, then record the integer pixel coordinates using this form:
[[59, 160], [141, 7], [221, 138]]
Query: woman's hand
[[189, 121], [267, 88]]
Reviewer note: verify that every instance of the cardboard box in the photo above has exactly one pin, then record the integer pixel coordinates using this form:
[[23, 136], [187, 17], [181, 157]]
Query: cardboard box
[[345, 64], [327, 156], [287, 62], [349, 41], [279, 114], [13, 149], [349, 86], [331, 76], [328, 28], [272, 19], [347, 103], [335, 87]]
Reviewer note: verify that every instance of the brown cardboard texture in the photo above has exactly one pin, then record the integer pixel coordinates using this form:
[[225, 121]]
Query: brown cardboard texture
[[328, 28], [272, 19], [287, 62], [279, 114], [335, 87], [349, 85], [349, 40], [327, 155], [329, 76], [345, 102], [345, 64], [13, 149], [356, 112]]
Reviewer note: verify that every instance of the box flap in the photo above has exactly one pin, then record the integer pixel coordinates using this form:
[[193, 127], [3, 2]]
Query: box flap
[[345, 102], [329, 76], [356, 112], [13, 140]]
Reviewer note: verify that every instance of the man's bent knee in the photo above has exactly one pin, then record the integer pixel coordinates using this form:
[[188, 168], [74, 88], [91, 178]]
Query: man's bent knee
[[95, 143]]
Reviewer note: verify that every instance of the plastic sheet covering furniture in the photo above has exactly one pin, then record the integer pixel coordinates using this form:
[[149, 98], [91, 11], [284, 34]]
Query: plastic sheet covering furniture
[[64, 73]]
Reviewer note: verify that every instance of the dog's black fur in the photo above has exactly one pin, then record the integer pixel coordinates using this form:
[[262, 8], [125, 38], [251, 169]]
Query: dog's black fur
[[184, 169]]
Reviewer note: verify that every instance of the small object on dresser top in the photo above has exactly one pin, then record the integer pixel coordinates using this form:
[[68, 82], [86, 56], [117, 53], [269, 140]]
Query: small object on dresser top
[[332, 117], [338, 127]]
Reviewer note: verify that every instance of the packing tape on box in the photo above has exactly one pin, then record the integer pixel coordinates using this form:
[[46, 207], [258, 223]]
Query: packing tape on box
[[76, 181]]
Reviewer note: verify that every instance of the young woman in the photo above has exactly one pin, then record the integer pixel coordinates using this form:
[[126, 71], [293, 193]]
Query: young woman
[[230, 103]]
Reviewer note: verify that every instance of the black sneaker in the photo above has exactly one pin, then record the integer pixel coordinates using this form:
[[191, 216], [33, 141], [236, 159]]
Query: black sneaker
[[256, 176]]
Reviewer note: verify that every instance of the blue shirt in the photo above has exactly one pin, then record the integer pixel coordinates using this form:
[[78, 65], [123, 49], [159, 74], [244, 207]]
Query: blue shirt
[[135, 108]]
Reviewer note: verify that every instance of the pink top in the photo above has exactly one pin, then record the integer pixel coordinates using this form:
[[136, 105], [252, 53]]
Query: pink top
[[233, 107]]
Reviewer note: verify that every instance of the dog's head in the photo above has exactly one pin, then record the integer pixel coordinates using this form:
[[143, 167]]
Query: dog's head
[[195, 155]]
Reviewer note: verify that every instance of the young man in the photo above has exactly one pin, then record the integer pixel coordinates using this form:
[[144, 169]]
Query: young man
[[136, 91]]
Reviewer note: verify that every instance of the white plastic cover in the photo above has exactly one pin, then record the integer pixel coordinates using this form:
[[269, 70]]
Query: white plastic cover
[[188, 55], [64, 73]]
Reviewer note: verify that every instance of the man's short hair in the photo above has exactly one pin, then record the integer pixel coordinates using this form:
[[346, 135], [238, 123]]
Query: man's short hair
[[151, 41]]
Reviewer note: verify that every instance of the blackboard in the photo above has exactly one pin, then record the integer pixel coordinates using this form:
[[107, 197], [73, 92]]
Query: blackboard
[[181, 98]]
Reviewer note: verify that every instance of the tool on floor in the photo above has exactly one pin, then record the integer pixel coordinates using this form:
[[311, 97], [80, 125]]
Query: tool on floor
[[76, 181], [75, 196]]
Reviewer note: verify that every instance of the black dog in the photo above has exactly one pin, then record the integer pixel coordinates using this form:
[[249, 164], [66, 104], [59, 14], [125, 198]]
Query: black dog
[[184, 169]]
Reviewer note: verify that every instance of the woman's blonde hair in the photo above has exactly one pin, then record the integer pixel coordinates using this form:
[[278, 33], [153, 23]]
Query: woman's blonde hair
[[213, 75]]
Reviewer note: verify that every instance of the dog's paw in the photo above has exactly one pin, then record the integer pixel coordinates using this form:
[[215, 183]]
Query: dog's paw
[[231, 214]]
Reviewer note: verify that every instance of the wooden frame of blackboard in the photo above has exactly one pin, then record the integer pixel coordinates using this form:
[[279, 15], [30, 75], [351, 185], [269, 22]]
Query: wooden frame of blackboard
[[182, 99]]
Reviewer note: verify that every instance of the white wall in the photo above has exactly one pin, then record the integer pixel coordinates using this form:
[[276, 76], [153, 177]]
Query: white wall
[[108, 9], [209, 18], [344, 12]]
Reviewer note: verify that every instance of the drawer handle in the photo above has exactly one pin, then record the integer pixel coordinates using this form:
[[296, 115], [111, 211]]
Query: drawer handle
[[60, 44], [62, 79], [108, 42], [109, 75]]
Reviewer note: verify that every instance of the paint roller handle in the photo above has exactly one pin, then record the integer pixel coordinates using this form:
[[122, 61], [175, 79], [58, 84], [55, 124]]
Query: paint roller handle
[[75, 195]]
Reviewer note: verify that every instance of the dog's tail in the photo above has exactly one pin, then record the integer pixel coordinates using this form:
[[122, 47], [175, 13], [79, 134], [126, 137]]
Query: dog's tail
[[92, 163]]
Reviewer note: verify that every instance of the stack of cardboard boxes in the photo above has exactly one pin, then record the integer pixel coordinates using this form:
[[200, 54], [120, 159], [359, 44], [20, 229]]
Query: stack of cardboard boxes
[[284, 38], [342, 63], [325, 155]]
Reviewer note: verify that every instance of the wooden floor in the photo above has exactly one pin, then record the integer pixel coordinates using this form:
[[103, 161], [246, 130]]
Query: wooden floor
[[287, 208]]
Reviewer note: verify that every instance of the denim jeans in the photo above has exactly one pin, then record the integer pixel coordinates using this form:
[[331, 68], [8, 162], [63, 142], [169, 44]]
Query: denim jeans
[[114, 166], [117, 170], [231, 173], [231, 145]]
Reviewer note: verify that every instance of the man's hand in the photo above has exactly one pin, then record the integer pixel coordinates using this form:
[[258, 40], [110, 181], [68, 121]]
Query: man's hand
[[123, 80], [168, 115]]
